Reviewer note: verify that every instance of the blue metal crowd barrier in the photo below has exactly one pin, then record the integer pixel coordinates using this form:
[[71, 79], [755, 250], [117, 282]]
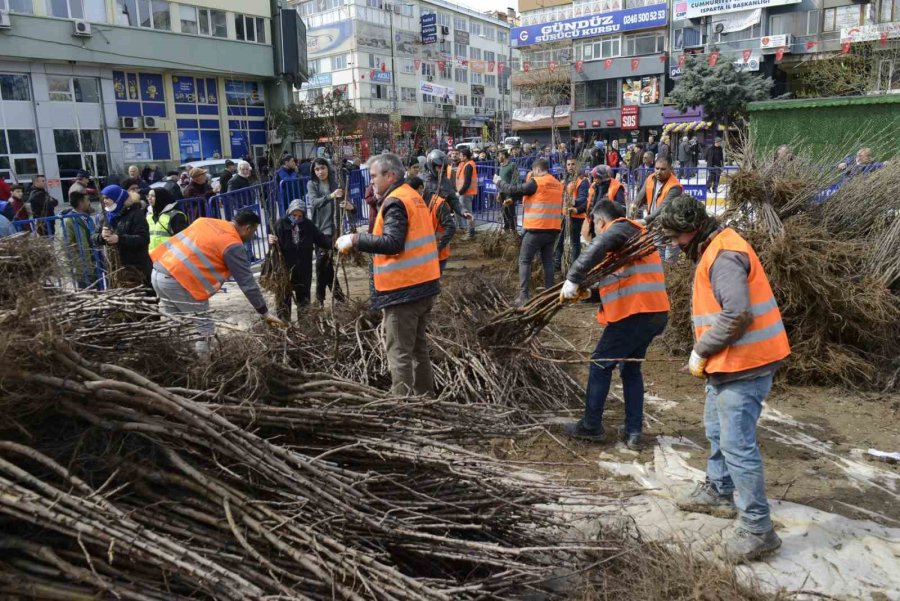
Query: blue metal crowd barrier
[[83, 263]]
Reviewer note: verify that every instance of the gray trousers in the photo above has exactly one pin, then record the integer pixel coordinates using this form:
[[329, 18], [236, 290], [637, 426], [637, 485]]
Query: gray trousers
[[464, 224], [533, 243], [175, 300], [406, 343]]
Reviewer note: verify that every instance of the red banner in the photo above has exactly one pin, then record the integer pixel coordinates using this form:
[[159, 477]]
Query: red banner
[[845, 47], [713, 59], [630, 117], [746, 55], [383, 68], [526, 67], [663, 57], [491, 65], [441, 65], [578, 66], [607, 64], [635, 63], [552, 67], [500, 68], [779, 54], [372, 74], [883, 38], [811, 44], [418, 64], [681, 59]]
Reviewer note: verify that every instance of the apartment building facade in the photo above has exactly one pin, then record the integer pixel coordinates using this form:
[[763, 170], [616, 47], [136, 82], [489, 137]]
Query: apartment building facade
[[412, 70], [101, 84]]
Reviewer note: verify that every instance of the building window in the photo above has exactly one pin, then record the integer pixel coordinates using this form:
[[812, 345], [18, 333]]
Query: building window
[[338, 62], [428, 69], [462, 100], [490, 56], [474, 28], [379, 91], [461, 76], [782, 24], [23, 7], [65, 9], [79, 89], [460, 50], [475, 53], [477, 78], [80, 149], [889, 75], [601, 93], [443, 19], [490, 104], [889, 11], [92, 10], [250, 29], [687, 37], [841, 17], [188, 17], [408, 94], [812, 21], [490, 33], [744, 34], [490, 80], [459, 23], [18, 153], [152, 14], [502, 37], [608, 47], [477, 101], [14, 87], [648, 43], [243, 93], [447, 71], [213, 23]]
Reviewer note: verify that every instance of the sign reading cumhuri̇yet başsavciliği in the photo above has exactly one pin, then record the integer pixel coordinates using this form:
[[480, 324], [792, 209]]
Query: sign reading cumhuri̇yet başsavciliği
[[643, 17], [693, 9]]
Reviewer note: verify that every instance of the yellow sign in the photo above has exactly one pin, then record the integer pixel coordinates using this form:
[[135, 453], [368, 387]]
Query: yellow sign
[[484, 132]]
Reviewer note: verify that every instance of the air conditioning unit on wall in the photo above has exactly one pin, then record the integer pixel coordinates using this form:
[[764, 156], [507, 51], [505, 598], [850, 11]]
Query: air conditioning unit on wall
[[152, 123], [81, 28], [128, 122]]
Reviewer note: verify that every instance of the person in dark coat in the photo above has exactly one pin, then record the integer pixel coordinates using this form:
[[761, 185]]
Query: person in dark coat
[[199, 185], [241, 179], [227, 174], [42, 204], [295, 236], [127, 230], [715, 160]]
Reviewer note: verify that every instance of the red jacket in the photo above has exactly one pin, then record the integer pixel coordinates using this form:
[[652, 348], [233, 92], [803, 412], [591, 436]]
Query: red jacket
[[4, 190]]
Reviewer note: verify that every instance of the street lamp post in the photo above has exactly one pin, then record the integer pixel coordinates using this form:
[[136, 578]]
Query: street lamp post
[[390, 9]]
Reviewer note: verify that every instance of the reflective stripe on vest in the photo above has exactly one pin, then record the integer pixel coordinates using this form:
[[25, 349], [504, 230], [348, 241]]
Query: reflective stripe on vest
[[159, 230], [650, 186], [196, 256], [435, 207], [572, 193], [765, 340], [472, 190], [639, 287], [543, 208], [417, 263]]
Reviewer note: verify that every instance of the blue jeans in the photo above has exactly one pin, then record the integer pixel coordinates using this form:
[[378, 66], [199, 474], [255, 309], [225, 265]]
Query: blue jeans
[[443, 265], [628, 338], [735, 463]]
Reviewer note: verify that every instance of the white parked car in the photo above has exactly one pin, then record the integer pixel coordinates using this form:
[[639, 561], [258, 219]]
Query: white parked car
[[511, 141], [215, 167], [472, 144]]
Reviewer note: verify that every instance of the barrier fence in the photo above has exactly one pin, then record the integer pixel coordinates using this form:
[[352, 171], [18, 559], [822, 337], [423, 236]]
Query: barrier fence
[[85, 263]]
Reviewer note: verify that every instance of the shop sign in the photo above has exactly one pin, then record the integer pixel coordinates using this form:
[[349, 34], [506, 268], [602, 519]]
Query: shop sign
[[595, 123], [630, 117], [870, 33], [694, 9], [319, 80], [461, 37], [697, 191], [381, 76], [610, 123], [428, 22], [582, 124], [771, 42], [643, 17]]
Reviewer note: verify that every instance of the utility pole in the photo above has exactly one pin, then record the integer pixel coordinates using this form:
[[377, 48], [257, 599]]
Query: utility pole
[[390, 8]]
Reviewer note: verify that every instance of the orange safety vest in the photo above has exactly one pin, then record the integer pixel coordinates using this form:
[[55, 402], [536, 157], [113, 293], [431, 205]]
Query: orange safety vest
[[472, 190], [614, 186], [638, 287], [543, 208], [765, 340], [449, 171], [650, 185], [196, 256], [572, 191], [434, 206], [417, 263]]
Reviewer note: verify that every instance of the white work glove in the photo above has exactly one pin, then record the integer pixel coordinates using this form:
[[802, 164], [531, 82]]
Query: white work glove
[[571, 292], [273, 321], [696, 365], [344, 244], [497, 179]]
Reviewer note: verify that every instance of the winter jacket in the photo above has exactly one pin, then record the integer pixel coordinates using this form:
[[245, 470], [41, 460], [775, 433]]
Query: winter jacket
[[236, 182], [446, 211], [684, 152], [664, 152], [614, 238], [5, 192], [134, 240], [298, 257], [391, 242], [195, 190], [317, 198], [42, 204], [78, 230], [174, 189], [224, 179], [715, 157], [20, 211]]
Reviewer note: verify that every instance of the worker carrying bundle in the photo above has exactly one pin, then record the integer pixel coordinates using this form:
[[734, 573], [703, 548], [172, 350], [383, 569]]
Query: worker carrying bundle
[[739, 342], [191, 266], [634, 310]]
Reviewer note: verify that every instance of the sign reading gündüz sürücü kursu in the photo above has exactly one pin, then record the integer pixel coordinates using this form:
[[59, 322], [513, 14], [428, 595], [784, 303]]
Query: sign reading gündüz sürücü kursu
[[644, 17]]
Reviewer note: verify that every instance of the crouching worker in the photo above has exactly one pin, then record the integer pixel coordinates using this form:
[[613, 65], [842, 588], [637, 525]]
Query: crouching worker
[[634, 310], [405, 272], [739, 342], [295, 236], [191, 266]]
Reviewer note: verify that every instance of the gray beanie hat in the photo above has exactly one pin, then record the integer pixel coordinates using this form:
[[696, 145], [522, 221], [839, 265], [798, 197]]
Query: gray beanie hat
[[296, 205]]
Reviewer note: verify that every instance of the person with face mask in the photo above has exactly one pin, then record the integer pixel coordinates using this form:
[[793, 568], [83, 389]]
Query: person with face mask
[[126, 229], [191, 266], [295, 236]]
